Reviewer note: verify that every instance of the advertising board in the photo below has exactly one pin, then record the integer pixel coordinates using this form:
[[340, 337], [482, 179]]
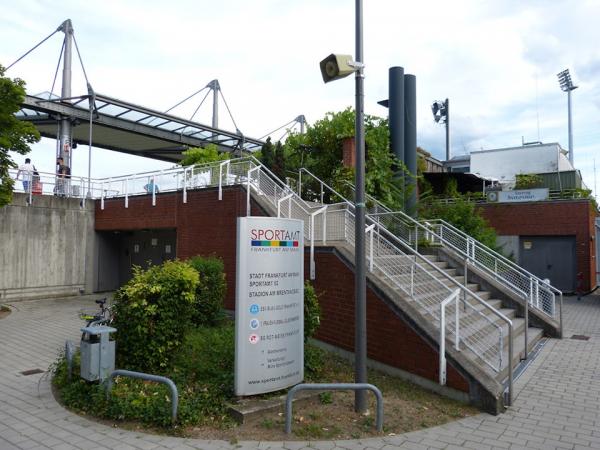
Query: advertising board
[[269, 312]]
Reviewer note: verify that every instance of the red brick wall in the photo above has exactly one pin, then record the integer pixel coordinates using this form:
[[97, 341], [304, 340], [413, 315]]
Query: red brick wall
[[561, 218], [207, 226], [390, 339]]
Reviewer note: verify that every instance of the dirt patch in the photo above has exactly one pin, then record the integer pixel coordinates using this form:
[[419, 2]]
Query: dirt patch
[[331, 415], [4, 311]]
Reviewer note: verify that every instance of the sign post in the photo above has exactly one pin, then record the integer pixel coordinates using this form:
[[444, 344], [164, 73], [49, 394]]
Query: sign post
[[269, 312]]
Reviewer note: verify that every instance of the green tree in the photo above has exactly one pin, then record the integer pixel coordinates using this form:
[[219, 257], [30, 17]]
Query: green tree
[[267, 154], [461, 213], [279, 161], [15, 135], [320, 151], [199, 155]]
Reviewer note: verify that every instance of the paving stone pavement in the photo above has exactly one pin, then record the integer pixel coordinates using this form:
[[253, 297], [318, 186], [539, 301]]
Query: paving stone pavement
[[556, 407]]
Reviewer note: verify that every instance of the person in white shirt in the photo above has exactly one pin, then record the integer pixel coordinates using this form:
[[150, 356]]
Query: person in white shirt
[[27, 170]]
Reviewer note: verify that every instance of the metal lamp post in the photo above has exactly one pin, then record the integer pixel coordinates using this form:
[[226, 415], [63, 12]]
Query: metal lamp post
[[566, 85], [332, 68]]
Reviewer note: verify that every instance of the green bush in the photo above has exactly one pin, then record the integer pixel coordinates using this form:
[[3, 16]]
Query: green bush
[[210, 292], [312, 311], [528, 181], [152, 312], [464, 215]]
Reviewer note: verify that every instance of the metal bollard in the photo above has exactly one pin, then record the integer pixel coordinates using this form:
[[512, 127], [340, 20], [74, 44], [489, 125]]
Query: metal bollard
[[332, 386], [69, 352]]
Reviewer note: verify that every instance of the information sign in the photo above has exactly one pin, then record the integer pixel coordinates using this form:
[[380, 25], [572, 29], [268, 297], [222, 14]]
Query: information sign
[[269, 311], [523, 195]]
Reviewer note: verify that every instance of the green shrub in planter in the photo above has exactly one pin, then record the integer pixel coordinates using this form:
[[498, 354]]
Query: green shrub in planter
[[152, 312], [312, 311], [210, 293]]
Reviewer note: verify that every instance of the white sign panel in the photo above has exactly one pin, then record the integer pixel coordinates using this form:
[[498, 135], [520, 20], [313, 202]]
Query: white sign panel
[[526, 195], [269, 308]]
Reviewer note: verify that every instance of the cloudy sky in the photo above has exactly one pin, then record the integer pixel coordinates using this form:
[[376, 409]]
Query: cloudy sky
[[496, 60]]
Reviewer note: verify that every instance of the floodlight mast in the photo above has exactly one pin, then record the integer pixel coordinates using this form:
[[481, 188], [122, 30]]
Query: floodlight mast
[[566, 85], [441, 114]]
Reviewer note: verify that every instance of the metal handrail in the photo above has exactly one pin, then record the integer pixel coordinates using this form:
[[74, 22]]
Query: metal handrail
[[527, 296], [534, 281], [452, 297], [445, 275], [428, 263]]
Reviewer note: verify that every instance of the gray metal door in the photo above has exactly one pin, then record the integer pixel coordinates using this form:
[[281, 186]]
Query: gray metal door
[[145, 248], [551, 257]]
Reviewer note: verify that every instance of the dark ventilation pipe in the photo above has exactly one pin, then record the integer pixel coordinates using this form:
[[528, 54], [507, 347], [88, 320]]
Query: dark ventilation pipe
[[410, 142], [396, 111]]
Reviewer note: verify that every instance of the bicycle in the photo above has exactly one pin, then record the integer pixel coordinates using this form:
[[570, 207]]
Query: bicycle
[[104, 316]]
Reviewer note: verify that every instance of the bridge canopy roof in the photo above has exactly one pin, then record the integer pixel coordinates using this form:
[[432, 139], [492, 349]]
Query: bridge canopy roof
[[128, 128]]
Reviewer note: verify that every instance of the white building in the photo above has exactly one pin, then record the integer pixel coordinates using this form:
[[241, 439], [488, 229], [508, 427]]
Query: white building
[[504, 164]]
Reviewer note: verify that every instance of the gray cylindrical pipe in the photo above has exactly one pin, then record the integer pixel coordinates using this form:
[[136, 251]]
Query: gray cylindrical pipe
[[396, 111], [65, 132], [410, 142]]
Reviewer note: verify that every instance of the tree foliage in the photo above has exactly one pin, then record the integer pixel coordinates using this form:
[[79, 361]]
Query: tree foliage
[[461, 212], [320, 150], [199, 155], [15, 135]]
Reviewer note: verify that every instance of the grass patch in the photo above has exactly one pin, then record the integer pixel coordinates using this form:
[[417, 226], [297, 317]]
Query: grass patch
[[203, 372]]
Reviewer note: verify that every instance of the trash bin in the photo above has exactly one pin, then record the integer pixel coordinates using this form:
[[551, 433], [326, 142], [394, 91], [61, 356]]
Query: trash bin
[[97, 353]]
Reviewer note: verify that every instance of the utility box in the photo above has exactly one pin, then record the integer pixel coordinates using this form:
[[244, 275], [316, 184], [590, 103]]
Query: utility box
[[97, 353]]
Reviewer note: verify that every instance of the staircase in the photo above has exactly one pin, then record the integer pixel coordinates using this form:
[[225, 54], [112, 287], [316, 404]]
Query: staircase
[[484, 324]]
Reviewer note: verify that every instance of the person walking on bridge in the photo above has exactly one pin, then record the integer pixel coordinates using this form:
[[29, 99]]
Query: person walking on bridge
[[27, 169]]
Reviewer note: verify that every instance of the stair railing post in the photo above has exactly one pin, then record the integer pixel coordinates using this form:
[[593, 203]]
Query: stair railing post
[[527, 301], [466, 274], [442, 344], [412, 279], [456, 322], [370, 230], [324, 226], [248, 187], [312, 246], [184, 185], [300, 183], [510, 363], [560, 318], [221, 182], [102, 195], [416, 238]]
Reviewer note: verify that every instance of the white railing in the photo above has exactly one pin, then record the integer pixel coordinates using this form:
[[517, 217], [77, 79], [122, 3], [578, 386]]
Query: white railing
[[539, 294], [451, 298]]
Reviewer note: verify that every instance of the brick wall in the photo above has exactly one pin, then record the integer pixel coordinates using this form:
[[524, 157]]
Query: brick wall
[[390, 339], [561, 218], [207, 226]]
